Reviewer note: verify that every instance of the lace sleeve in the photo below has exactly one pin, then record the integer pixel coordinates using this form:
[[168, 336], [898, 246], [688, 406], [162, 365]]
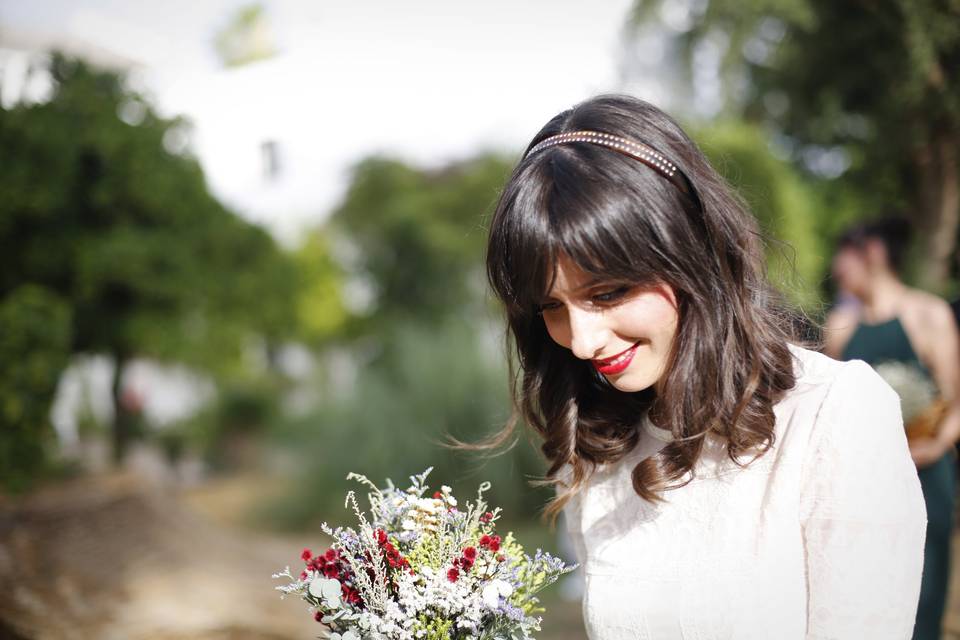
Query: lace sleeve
[[862, 514]]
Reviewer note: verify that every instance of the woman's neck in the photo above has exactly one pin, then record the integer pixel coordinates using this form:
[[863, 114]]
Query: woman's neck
[[882, 299]]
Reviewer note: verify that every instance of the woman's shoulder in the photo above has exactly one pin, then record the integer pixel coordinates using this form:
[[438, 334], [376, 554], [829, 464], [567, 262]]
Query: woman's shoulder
[[848, 395], [812, 367], [926, 316], [832, 378]]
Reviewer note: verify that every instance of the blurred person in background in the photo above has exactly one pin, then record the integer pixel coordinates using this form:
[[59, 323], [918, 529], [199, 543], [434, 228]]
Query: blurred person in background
[[955, 307], [899, 324]]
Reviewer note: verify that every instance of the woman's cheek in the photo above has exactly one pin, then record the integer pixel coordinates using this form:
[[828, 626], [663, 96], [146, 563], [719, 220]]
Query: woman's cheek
[[650, 316], [556, 330]]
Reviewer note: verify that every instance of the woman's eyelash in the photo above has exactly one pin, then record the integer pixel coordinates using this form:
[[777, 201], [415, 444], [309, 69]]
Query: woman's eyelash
[[613, 294]]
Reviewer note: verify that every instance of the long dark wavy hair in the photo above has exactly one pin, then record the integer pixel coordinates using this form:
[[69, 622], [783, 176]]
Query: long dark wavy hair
[[618, 219]]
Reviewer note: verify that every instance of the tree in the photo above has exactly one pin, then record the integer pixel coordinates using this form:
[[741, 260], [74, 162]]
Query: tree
[[418, 238], [426, 352], [321, 314], [864, 84], [104, 209], [34, 348], [784, 203]]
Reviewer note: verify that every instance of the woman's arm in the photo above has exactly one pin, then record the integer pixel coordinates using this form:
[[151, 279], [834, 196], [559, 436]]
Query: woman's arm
[[837, 330], [862, 514], [938, 344]]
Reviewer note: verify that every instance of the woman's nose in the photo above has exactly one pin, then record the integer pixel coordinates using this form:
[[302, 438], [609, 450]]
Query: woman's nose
[[587, 334]]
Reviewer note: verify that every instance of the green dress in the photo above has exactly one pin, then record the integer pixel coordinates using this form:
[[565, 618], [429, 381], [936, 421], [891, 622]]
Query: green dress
[[882, 342]]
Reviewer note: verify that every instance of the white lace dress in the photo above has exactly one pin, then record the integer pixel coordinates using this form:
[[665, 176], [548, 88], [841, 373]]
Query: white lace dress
[[821, 537]]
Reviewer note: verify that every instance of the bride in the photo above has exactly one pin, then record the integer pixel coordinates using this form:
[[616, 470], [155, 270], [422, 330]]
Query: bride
[[719, 480]]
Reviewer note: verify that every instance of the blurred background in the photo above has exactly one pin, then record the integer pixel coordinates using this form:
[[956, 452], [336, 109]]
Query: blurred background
[[242, 251]]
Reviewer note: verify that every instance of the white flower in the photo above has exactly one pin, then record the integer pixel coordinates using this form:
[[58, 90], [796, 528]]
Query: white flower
[[448, 495], [493, 591], [428, 505], [326, 590]]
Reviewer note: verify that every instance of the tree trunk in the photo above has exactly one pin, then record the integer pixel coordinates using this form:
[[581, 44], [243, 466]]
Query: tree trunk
[[938, 213], [123, 420]]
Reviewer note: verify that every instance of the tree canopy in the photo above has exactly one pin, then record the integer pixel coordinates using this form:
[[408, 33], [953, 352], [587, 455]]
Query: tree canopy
[[863, 92], [106, 210]]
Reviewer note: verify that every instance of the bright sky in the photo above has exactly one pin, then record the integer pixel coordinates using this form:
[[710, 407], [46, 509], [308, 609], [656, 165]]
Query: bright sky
[[428, 80]]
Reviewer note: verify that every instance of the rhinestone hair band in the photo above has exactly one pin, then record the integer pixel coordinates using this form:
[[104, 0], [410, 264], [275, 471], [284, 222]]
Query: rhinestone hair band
[[635, 149]]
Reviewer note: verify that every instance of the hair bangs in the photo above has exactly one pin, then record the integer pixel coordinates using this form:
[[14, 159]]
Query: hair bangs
[[597, 224], [523, 249]]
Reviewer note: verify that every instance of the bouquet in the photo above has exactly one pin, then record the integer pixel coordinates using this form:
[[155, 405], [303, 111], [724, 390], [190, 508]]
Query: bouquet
[[423, 566], [922, 408]]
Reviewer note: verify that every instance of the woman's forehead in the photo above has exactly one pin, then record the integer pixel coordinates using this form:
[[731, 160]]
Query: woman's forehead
[[567, 277]]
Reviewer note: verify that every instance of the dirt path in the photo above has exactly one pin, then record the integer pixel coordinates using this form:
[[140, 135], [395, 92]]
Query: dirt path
[[110, 558]]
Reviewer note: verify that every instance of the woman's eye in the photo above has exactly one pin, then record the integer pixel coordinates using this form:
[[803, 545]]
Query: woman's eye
[[547, 306], [612, 295]]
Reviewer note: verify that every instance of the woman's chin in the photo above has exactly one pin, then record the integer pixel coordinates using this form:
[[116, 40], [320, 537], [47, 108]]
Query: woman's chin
[[630, 382]]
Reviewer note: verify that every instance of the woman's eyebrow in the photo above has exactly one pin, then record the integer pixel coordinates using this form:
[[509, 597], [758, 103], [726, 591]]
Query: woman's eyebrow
[[593, 282]]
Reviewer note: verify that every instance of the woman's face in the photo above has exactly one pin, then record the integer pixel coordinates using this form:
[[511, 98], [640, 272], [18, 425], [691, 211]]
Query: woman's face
[[851, 270], [625, 332]]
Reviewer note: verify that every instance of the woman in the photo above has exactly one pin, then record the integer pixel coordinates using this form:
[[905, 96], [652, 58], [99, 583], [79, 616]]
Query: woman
[[893, 322], [718, 480]]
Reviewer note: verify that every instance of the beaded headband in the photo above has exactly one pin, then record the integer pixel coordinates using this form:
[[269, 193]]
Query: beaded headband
[[633, 148]]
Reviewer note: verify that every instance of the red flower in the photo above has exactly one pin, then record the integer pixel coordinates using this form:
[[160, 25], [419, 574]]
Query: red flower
[[494, 545], [484, 540], [303, 575], [437, 495], [330, 554], [381, 537], [453, 574], [350, 594], [487, 517], [500, 557], [318, 615], [466, 563], [306, 555], [470, 552]]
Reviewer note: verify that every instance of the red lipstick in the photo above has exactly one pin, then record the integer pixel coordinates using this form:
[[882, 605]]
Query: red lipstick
[[616, 363]]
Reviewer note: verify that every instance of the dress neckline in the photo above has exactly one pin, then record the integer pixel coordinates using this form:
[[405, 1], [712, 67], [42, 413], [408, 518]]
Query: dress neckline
[[881, 323]]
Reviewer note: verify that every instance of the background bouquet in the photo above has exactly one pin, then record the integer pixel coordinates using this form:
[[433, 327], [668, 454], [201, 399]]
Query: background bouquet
[[423, 567], [922, 407]]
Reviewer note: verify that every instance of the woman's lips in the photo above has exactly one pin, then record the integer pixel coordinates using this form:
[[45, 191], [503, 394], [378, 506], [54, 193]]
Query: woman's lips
[[617, 363]]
